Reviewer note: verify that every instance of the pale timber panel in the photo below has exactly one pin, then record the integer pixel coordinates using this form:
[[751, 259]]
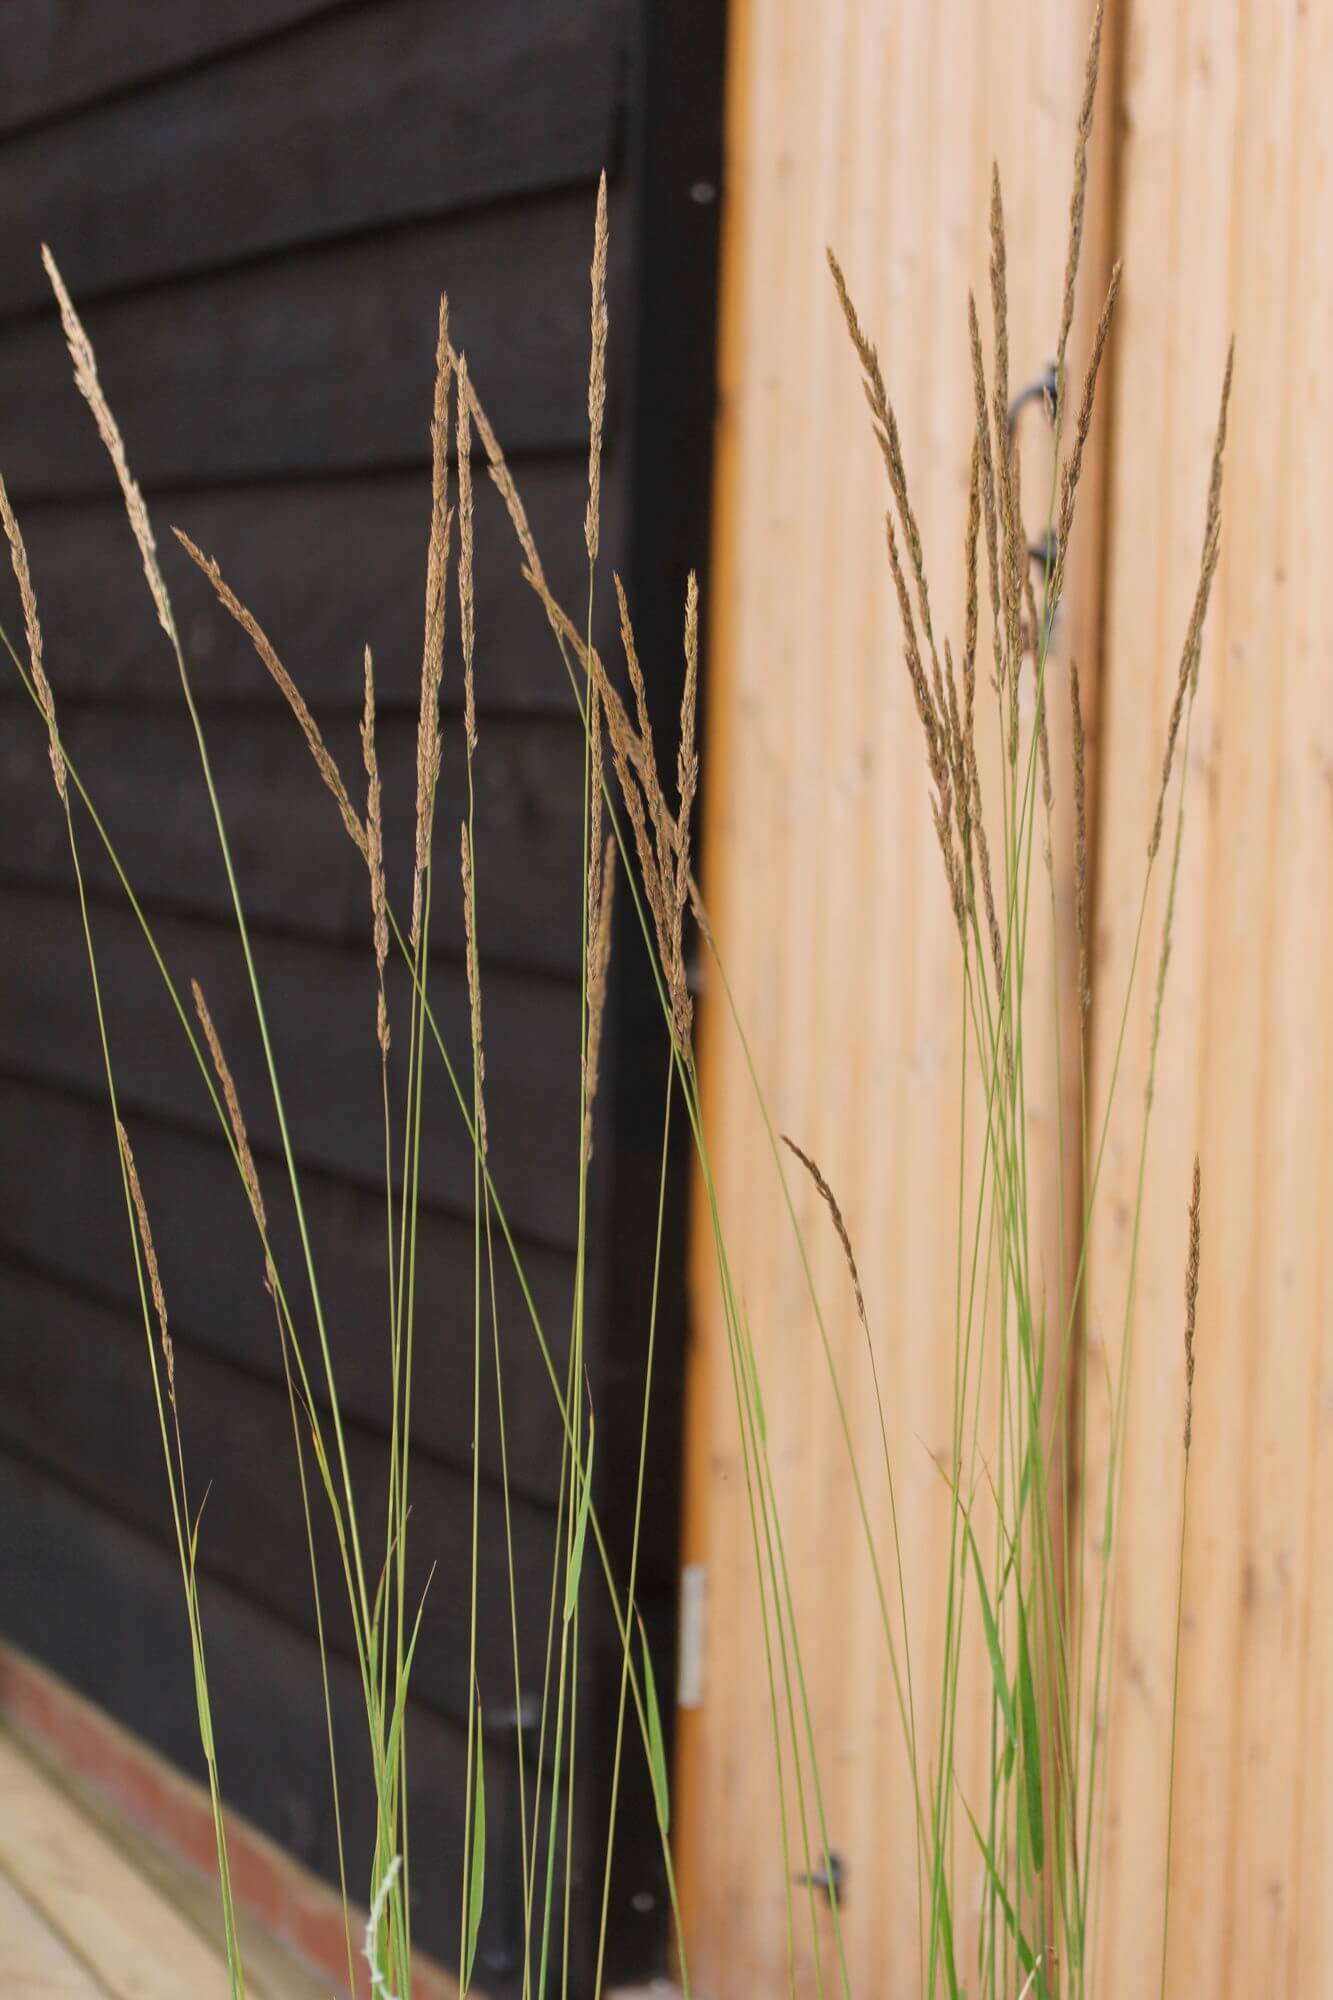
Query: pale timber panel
[[1226, 220], [139, 1946], [870, 124], [38, 1965]]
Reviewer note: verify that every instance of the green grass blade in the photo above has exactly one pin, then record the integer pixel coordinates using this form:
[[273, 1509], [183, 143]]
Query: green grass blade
[[657, 1764], [998, 1672], [1027, 1704], [476, 1888], [575, 1570], [1026, 1956]]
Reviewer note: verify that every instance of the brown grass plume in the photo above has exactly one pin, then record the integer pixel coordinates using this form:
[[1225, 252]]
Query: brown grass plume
[[90, 388], [259, 639], [33, 628], [597, 376], [150, 1259], [1187, 678], [432, 656]]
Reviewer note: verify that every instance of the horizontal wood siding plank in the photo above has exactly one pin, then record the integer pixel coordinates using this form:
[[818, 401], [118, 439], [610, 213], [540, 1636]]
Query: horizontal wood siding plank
[[56, 54], [321, 1009], [298, 870], [72, 1578], [76, 1399], [398, 110], [58, 1161], [316, 363], [327, 568]]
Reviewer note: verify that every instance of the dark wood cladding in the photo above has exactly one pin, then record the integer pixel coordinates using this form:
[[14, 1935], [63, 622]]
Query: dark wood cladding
[[117, 1626], [101, 1437], [256, 207], [57, 54], [327, 565], [321, 1007], [316, 363], [371, 115], [209, 1273], [298, 871]]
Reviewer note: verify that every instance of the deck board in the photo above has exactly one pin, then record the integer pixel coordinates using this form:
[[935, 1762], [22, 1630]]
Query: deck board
[[92, 1910], [37, 1961]]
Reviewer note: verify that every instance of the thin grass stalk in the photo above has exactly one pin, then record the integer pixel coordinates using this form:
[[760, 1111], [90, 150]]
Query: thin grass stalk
[[754, 1429], [221, 1111], [1191, 1305], [141, 1247], [631, 1586], [745, 1393], [1115, 1453], [564, 633], [475, 1747], [323, 1653], [409, 956], [87, 381]]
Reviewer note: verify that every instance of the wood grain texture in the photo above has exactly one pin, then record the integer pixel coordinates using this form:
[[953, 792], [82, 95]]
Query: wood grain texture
[[288, 1922], [261, 224], [318, 363], [1227, 208], [92, 1423], [116, 1630], [39, 1965], [363, 118], [57, 56], [297, 868], [872, 127], [92, 1895], [321, 1007], [327, 567], [58, 1159]]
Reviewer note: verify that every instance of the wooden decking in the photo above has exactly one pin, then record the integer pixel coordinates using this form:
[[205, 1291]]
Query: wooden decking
[[90, 1909], [106, 1884]]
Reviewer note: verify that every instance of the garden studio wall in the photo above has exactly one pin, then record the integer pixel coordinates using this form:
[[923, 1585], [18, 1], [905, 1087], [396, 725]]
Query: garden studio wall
[[256, 207]]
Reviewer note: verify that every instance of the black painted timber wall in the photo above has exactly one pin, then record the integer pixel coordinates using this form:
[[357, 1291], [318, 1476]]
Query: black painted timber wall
[[256, 207]]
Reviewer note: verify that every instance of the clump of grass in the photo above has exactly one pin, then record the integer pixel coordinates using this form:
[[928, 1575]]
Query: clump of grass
[[1035, 1825], [1010, 1594]]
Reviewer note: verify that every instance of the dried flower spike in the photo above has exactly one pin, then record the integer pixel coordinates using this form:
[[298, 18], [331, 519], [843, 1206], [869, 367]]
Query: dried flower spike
[[90, 388], [597, 376], [32, 627], [379, 901], [1187, 677], [466, 591], [1077, 203], [240, 1138], [150, 1259], [437, 573], [263, 646]]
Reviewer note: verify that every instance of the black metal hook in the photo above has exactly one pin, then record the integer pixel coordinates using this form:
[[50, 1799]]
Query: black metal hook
[[831, 1881], [1041, 390]]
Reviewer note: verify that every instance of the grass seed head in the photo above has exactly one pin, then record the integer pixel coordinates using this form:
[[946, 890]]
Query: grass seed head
[[90, 388], [597, 376], [466, 591], [263, 646], [32, 626], [150, 1260], [1077, 205]]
